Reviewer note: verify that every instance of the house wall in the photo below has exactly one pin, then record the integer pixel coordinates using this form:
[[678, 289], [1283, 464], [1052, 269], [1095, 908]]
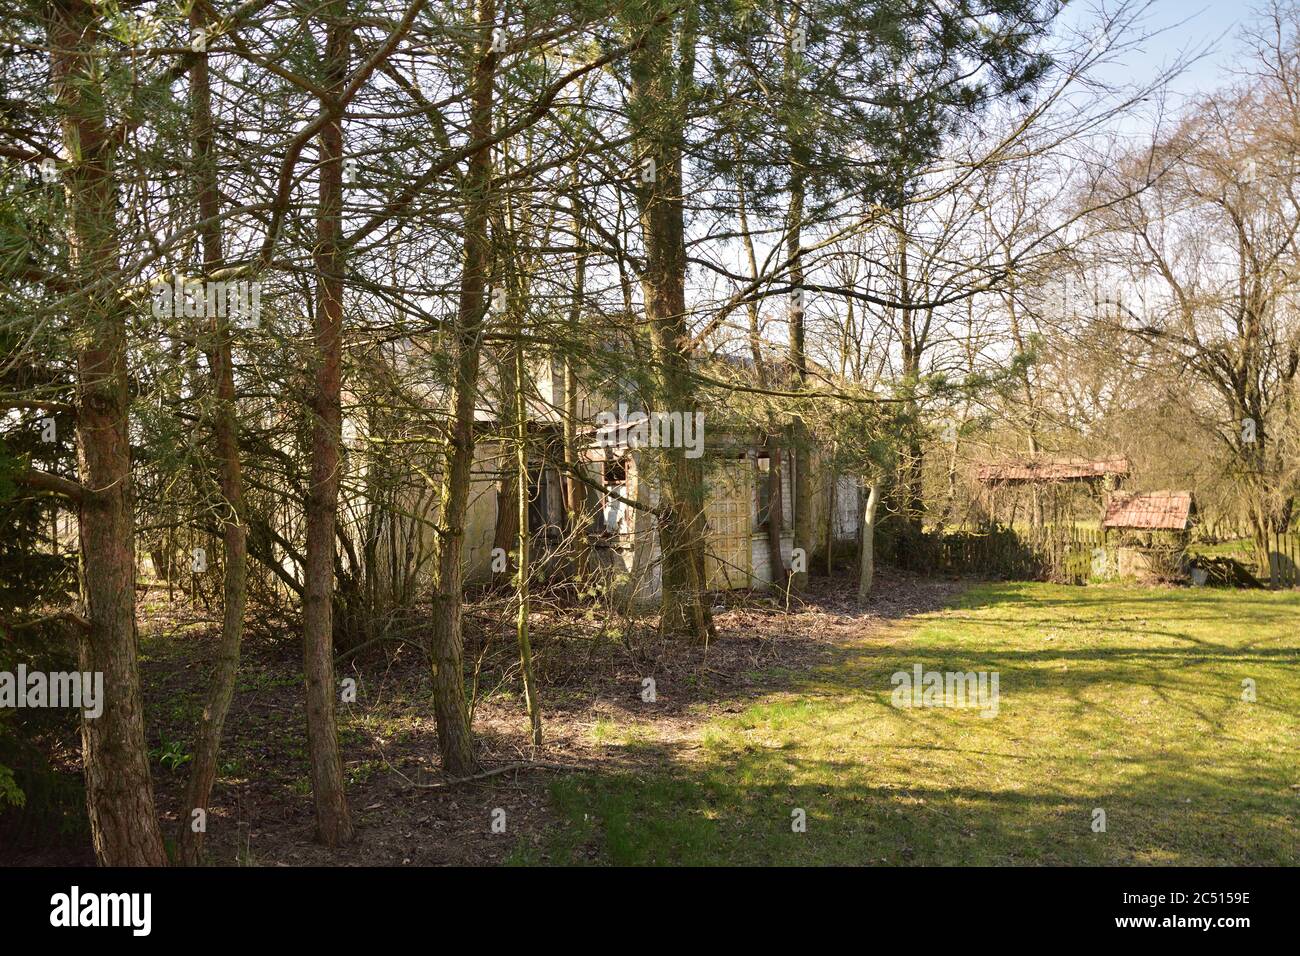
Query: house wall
[[481, 516], [760, 559], [637, 552], [417, 536], [848, 509]]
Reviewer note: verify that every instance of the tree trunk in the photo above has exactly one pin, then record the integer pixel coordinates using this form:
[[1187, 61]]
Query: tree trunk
[[225, 431], [658, 138], [867, 554], [454, 738], [531, 702], [119, 792], [910, 488], [575, 492], [506, 533], [775, 516], [775, 508], [801, 451], [333, 820]]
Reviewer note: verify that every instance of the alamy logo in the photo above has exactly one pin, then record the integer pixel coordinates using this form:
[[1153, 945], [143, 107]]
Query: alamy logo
[[923, 688], [103, 909], [651, 430], [241, 301], [82, 691]]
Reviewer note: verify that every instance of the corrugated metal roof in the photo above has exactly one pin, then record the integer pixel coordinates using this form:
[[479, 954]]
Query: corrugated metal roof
[[1053, 469], [1150, 511]]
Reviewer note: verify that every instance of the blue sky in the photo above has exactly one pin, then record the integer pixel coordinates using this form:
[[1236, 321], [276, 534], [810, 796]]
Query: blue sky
[[1185, 24]]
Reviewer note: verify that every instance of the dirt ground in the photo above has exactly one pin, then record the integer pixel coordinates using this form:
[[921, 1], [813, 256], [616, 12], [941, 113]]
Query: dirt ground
[[592, 685]]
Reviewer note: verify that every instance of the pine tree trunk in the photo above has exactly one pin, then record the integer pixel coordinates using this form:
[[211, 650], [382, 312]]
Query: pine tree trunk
[[119, 791], [531, 701], [234, 531], [506, 532], [454, 738], [800, 452], [775, 507], [658, 141], [575, 492], [333, 820]]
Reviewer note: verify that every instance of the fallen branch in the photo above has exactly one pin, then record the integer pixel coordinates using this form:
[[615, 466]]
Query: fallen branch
[[389, 639], [495, 771], [71, 617]]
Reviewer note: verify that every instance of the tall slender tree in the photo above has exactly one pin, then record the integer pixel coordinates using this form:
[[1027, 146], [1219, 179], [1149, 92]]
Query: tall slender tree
[[661, 76], [225, 429], [333, 819], [119, 791], [454, 737]]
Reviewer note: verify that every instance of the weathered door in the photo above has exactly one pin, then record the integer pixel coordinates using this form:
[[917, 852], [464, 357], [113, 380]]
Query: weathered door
[[727, 510]]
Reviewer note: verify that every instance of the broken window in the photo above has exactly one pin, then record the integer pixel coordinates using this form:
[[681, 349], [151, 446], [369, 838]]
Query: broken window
[[762, 502], [611, 518], [538, 517]]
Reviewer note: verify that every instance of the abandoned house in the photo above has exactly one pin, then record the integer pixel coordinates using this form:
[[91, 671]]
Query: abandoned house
[[619, 465]]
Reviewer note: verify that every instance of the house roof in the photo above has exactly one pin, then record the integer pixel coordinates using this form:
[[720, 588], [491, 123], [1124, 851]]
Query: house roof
[[1052, 469], [1150, 511]]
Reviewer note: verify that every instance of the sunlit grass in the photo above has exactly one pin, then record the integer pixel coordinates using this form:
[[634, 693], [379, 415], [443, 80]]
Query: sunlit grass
[[1126, 700]]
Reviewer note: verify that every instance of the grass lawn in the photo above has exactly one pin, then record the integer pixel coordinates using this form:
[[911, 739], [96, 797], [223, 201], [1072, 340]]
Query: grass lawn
[[1123, 699]]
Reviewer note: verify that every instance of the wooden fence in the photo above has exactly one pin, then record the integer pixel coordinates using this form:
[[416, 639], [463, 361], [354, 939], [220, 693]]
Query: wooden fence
[[1064, 554], [1056, 553], [1284, 560]]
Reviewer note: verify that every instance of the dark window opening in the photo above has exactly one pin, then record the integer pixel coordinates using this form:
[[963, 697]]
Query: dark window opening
[[537, 516], [612, 513], [762, 500]]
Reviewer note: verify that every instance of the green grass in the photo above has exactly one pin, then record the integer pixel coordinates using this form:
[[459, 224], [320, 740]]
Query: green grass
[[1123, 699]]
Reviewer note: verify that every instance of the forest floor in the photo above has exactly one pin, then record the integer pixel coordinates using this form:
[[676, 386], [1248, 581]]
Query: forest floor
[[1121, 699], [595, 719]]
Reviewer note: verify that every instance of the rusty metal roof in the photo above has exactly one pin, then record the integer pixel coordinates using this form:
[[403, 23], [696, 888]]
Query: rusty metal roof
[[1053, 469], [1150, 511]]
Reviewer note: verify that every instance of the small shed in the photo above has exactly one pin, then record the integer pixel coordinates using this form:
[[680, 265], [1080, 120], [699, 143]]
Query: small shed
[[1052, 469], [1153, 529], [1151, 511], [1053, 485]]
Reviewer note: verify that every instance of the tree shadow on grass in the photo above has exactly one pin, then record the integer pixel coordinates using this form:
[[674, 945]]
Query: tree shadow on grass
[[744, 810], [1158, 739], [1276, 607]]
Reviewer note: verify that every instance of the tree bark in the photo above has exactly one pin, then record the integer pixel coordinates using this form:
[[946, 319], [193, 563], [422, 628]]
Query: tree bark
[[506, 532], [775, 508], [867, 554], [575, 492], [234, 529], [531, 702], [333, 819], [658, 103], [119, 791], [800, 451], [454, 737]]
